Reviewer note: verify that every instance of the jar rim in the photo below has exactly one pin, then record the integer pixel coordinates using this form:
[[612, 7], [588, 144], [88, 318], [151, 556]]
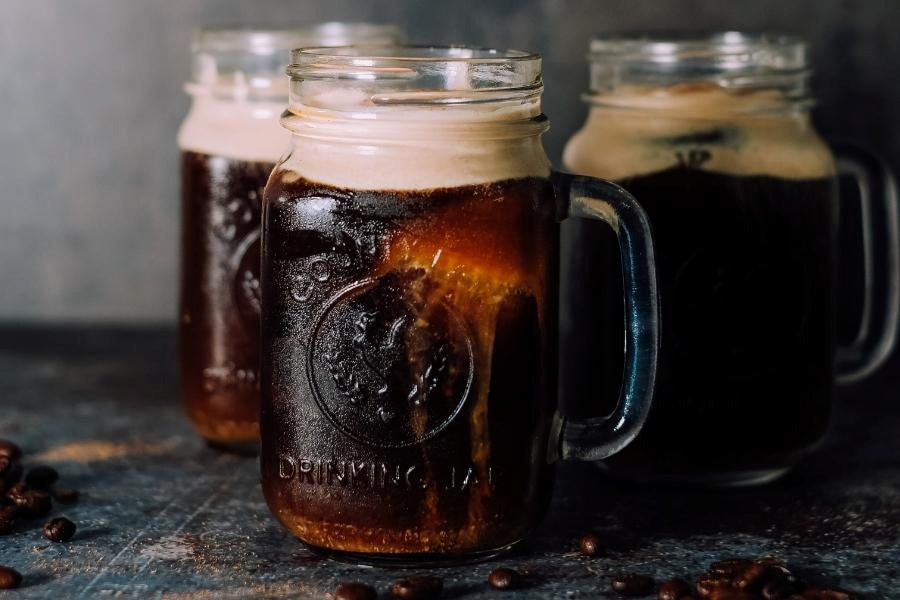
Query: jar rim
[[728, 50], [263, 40], [385, 55]]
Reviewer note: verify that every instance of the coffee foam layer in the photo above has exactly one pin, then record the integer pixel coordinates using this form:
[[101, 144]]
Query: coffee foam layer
[[242, 130], [404, 148], [644, 130]]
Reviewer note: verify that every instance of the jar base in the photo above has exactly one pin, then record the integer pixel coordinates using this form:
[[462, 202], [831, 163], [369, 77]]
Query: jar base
[[736, 478], [411, 561]]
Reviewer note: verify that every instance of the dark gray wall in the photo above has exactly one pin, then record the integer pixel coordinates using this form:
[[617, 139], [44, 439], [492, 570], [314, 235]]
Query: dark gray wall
[[91, 97]]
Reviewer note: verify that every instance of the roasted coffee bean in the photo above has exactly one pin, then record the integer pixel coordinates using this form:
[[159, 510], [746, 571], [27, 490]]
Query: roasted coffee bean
[[355, 591], [505, 579], [32, 503], [9, 578], [41, 477], [419, 587], [589, 545], [65, 495], [10, 473], [10, 450], [633, 585], [710, 582], [674, 589], [59, 529], [8, 516], [730, 593], [754, 576], [730, 567], [780, 589]]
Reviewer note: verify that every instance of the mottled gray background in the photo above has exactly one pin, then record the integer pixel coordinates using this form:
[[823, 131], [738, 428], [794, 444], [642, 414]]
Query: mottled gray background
[[91, 97]]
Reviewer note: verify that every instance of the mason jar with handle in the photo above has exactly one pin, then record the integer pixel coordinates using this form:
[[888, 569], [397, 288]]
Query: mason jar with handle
[[409, 292], [713, 135]]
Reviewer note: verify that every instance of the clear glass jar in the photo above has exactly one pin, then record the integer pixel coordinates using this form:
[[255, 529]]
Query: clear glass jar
[[230, 140], [713, 136], [409, 291]]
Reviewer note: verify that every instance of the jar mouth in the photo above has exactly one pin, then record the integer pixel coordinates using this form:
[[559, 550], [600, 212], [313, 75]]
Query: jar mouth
[[732, 61], [419, 75], [717, 51], [264, 40]]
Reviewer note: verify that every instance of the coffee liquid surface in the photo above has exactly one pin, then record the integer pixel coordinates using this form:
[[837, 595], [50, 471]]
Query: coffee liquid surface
[[409, 352], [219, 324], [746, 285]]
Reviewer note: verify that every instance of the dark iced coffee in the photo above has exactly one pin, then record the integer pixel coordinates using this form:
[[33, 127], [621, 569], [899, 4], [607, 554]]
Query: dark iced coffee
[[740, 193], [409, 298], [230, 141]]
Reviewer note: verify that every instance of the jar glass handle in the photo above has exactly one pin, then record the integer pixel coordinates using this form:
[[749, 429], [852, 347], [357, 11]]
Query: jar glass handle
[[597, 438], [872, 345]]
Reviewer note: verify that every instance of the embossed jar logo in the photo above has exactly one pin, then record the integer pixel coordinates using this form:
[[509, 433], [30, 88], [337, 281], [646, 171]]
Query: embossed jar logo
[[390, 363]]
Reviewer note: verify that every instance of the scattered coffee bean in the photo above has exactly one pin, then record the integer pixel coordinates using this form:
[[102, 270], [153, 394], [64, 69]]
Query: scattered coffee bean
[[505, 579], [10, 450], [59, 529], [754, 576], [65, 495], [41, 477], [419, 587], [7, 519], [674, 589], [710, 582], [732, 594], [589, 545], [355, 591], [779, 589], [10, 473], [32, 503], [9, 578], [730, 567], [633, 585]]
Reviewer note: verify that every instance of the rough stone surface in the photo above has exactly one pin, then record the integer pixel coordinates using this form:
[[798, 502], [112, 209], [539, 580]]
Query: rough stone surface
[[162, 515]]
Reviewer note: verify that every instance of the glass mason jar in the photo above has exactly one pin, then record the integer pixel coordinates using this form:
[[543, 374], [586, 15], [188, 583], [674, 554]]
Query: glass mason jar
[[714, 138], [230, 140], [409, 292]]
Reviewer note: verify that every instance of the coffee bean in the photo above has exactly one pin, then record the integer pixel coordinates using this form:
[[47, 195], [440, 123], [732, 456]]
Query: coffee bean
[[633, 584], [7, 519], [355, 591], [710, 582], [41, 477], [674, 589], [10, 473], [32, 503], [59, 529], [780, 589], [65, 495], [10, 450], [754, 576], [9, 578], [730, 567], [589, 545], [732, 594], [505, 579], [419, 587]]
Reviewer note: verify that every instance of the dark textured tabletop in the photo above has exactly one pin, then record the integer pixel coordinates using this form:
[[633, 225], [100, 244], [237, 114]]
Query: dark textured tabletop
[[162, 515]]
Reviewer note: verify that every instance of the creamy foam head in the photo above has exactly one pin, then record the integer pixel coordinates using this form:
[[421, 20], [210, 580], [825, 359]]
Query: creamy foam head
[[641, 130], [243, 130], [367, 143]]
